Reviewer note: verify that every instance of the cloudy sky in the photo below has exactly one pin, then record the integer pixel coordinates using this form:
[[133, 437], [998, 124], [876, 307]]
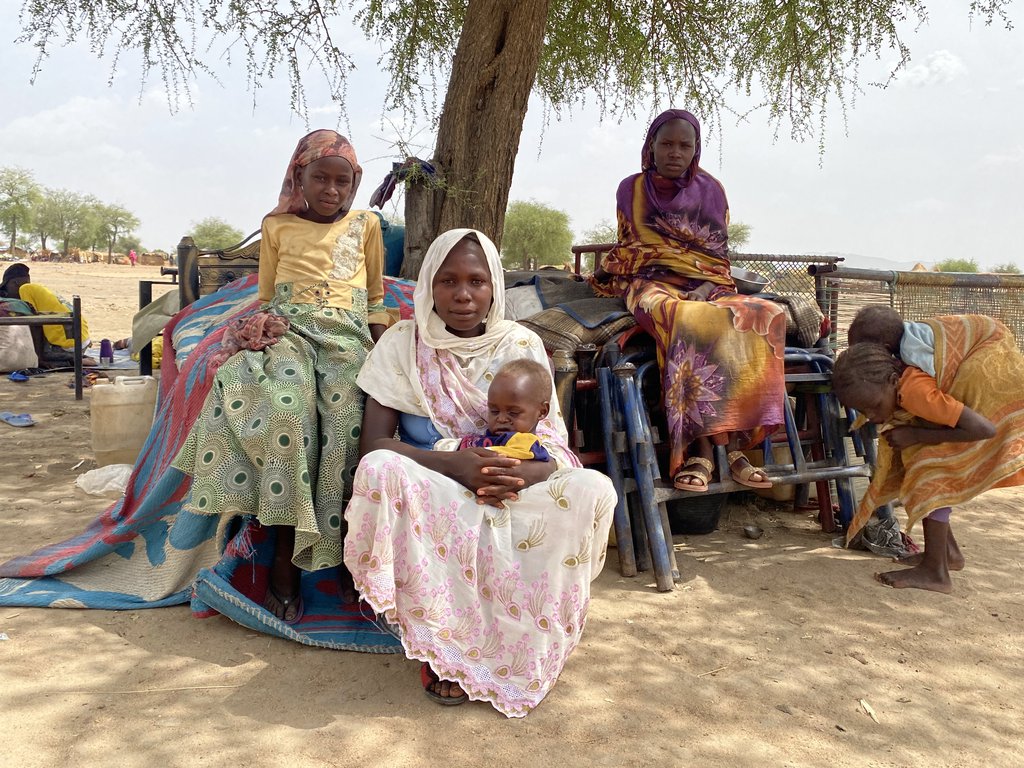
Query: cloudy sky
[[928, 169]]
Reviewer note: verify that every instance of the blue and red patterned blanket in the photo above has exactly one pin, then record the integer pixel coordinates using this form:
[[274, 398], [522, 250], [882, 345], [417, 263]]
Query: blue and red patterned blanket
[[147, 551]]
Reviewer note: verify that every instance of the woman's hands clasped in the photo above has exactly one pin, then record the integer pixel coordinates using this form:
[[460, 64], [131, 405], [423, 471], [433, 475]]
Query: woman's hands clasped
[[495, 478]]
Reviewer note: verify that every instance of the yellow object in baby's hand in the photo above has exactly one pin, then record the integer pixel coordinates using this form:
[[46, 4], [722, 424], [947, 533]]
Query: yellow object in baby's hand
[[519, 446]]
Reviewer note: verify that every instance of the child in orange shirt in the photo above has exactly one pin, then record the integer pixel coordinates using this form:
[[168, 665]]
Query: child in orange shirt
[[947, 438]]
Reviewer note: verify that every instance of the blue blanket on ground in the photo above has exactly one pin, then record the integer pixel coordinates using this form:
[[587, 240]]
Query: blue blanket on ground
[[147, 551]]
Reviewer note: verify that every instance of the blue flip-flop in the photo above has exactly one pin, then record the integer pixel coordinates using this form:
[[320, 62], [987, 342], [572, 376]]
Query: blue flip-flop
[[18, 376], [17, 419]]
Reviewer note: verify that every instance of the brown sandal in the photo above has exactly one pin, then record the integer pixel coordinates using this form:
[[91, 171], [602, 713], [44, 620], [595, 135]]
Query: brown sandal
[[285, 604], [428, 679], [697, 467], [743, 475]]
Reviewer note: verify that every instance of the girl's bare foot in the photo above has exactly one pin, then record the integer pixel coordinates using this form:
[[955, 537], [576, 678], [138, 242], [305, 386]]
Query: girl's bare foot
[[954, 557], [932, 573], [956, 561], [916, 578]]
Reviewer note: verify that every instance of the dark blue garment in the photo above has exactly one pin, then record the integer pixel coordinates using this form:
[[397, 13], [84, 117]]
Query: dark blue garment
[[418, 431], [394, 246]]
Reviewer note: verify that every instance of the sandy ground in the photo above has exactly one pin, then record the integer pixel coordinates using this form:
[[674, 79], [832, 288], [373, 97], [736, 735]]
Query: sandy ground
[[765, 655]]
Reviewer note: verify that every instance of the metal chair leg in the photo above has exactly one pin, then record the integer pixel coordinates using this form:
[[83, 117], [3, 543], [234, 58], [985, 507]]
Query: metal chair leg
[[644, 466], [614, 449]]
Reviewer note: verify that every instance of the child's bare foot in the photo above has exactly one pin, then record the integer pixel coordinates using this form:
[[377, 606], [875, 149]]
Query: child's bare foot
[[917, 578], [954, 557], [346, 586]]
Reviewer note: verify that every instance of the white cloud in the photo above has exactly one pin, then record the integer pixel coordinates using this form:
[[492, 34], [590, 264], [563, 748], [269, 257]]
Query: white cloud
[[156, 97], [938, 68], [902, 153], [330, 109], [76, 118], [1014, 156], [929, 205], [608, 138]]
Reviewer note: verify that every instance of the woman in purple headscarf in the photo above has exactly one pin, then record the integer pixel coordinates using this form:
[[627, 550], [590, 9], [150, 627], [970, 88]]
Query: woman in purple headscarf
[[721, 354]]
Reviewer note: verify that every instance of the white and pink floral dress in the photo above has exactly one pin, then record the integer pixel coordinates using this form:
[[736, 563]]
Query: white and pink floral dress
[[495, 599]]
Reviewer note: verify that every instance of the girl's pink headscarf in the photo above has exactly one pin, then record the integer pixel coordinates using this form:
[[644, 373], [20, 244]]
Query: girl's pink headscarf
[[311, 147]]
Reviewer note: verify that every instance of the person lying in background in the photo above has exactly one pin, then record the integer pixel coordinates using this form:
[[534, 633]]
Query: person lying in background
[[53, 346]]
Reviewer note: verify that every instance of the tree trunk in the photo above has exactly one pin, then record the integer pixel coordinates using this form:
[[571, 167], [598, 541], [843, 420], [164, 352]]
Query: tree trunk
[[421, 224], [42, 241], [482, 120], [110, 247]]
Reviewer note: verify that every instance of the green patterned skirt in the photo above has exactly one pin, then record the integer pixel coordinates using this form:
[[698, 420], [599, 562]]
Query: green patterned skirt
[[278, 436]]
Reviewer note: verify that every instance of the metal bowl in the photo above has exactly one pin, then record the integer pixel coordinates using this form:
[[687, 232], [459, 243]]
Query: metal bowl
[[753, 531], [748, 282]]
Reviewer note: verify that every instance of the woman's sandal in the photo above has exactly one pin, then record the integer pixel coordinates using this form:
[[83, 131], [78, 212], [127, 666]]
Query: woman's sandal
[[744, 474], [701, 469], [286, 603], [429, 680]]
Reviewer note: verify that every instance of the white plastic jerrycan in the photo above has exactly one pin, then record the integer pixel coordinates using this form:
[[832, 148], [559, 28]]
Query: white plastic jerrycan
[[122, 415]]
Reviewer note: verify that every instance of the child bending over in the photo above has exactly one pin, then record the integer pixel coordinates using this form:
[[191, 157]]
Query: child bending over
[[913, 343], [948, 438]]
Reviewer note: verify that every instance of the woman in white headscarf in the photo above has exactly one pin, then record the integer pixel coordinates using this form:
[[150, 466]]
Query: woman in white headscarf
[[481, 562]]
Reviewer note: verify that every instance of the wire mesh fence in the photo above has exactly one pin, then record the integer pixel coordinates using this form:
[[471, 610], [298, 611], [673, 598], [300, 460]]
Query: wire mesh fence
[[921, 295], [841, 291], [787, 275]]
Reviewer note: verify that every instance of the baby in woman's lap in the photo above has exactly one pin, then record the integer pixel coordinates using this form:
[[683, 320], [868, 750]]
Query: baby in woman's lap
[[517, 399]]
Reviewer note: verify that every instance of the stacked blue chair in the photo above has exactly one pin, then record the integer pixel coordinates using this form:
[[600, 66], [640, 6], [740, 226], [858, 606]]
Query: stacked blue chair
[[816, 428], [621, 388]]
